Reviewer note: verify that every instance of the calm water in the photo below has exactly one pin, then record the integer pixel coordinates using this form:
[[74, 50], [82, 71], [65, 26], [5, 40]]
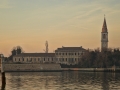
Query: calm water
[[68, 80]]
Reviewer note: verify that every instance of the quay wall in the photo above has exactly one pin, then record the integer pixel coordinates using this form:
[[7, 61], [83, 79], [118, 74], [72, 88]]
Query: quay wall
[[52, 67], [31, 67], [93, 69]]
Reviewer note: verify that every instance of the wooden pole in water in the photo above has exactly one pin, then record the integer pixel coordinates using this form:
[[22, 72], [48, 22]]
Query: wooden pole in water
[[3, 81], [3, 76]]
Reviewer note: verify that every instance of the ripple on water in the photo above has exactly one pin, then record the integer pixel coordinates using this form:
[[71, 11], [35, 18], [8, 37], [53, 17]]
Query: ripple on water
[[72, 80]]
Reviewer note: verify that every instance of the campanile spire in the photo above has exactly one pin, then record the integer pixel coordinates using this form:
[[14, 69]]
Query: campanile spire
[[104, 36], [104, 28]]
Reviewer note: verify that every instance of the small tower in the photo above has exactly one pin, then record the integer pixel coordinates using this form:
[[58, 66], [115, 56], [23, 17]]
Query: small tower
[[46, 45], [104, 36]]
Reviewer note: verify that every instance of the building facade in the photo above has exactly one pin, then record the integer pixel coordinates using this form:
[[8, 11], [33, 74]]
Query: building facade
[[34, 58], [69, 55], [104, 36], [64, 55]]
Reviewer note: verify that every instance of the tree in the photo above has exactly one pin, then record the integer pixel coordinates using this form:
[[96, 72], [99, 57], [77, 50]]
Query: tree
[[19, 50], [13, 51]]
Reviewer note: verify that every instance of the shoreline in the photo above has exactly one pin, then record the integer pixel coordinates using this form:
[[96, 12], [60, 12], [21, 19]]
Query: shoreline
[[71, 69]]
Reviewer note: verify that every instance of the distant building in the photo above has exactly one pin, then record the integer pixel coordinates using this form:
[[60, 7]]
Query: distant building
[[34, 58], [64, 55], [104, 36], [69, 55]]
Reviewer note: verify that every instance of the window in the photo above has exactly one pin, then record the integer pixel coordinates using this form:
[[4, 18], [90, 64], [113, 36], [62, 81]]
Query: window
[[56, 53], [59, 59], [75, 59], [69, 54], [62, 59], [44, 59], [23, 59], [62, 53], [66, 53], [48, 59], [75, 53], [59, 53], [66, 59], [38, 59], [19, 59], [104, 36]]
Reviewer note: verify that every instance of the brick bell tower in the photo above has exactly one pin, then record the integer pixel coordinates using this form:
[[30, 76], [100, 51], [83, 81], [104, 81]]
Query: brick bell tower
[[104, 36]]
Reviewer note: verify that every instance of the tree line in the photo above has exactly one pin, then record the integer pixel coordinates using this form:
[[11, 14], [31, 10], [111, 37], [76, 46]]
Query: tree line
[[104, 59], [15, 51]]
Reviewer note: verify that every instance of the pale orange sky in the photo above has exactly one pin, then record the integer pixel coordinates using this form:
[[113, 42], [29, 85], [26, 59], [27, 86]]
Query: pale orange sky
[[29, 23]]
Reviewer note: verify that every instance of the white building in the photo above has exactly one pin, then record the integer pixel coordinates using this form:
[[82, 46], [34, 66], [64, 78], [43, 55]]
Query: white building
[[34, 58], [69, 55], [64, 55]]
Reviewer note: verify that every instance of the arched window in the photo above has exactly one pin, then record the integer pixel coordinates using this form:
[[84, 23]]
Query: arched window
[[104, 36]]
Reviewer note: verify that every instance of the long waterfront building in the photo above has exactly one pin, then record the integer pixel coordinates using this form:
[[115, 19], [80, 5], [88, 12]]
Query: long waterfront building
[[64, 55]]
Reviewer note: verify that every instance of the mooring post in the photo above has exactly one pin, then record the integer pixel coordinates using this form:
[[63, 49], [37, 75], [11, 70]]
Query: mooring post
[[3, 76], [3, 81]]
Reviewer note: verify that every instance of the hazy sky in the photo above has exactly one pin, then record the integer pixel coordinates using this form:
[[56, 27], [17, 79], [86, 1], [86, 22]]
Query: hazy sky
[[29, 23]]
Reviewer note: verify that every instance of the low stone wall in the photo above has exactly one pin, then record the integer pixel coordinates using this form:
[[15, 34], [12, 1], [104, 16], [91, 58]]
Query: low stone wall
[[51, 67], [31, 67], [93, 69], [79, 69]]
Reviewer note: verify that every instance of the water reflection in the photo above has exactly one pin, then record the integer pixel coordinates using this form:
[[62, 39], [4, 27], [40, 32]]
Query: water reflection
[[67, 80]]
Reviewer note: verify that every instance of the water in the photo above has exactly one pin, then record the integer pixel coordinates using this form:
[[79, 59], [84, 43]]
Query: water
[[67, 80]]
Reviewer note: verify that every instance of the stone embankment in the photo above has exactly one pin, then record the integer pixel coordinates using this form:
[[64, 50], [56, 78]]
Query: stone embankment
[[32, 67], [92, 69], [52, 67]]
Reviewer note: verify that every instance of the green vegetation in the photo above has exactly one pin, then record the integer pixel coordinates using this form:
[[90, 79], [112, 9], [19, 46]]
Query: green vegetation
[[96, 59], [15, 51]]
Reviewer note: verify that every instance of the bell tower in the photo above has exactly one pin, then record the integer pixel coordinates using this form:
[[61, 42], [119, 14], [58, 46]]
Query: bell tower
[[104, 36]]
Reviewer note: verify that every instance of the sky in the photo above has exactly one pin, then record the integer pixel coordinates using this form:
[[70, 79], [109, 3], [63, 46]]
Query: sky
[[68, 23]]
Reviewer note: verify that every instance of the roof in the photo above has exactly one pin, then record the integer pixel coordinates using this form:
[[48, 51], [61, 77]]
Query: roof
[[104, 28], [70, 48], [35, 55]]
